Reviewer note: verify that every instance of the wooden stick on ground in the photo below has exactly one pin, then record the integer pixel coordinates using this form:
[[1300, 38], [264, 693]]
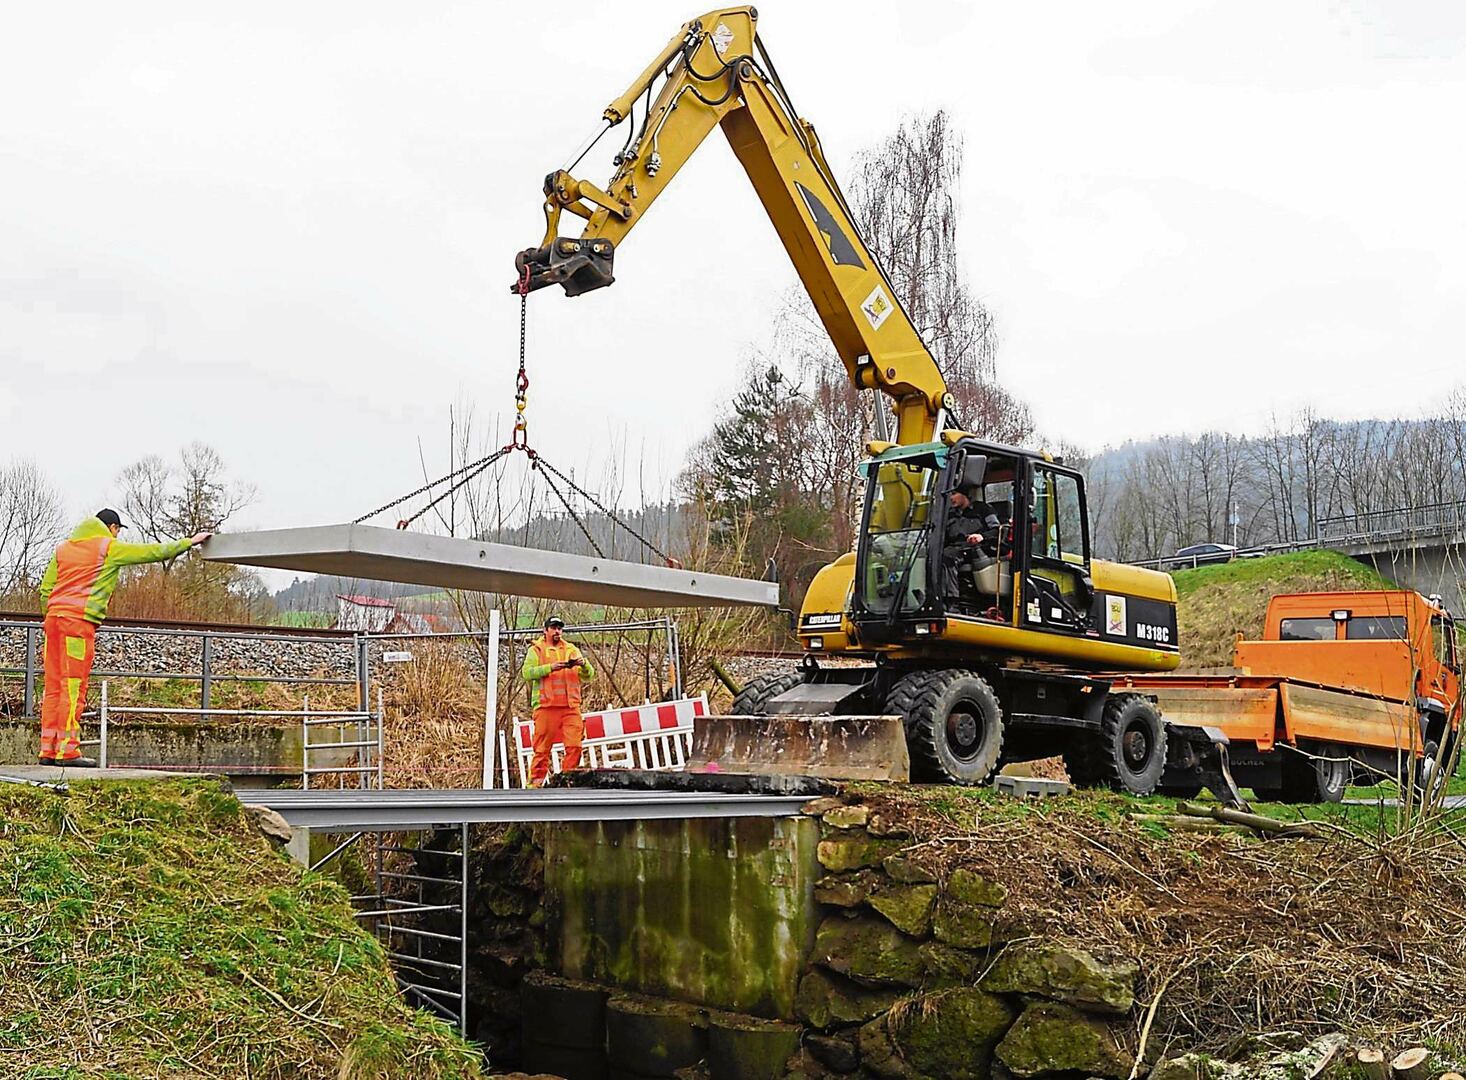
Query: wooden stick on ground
[[1258, 822], [1183, 823]]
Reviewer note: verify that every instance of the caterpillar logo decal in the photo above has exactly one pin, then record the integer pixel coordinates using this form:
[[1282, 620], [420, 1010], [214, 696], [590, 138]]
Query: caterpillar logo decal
[[839, 245]]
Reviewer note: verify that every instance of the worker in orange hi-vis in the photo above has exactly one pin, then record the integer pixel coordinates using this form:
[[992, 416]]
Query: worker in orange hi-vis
[[75, 592], [555, 671]]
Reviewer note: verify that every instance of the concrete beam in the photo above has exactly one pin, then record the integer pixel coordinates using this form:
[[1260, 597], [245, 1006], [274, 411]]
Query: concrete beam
[[352, 809], [362, 551]]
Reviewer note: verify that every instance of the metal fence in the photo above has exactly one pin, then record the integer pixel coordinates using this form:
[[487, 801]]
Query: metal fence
[[1408, 522], [207, 674]]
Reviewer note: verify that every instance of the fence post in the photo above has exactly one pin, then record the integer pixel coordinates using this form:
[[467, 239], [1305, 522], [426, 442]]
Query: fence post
[[676, 652], [305, 742], [381, 719], [28, 698], [363, 675], [491, 696], [102, 749], [207, 693]]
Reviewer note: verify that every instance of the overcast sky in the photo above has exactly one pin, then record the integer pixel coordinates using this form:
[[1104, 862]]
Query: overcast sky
[[287, 228]]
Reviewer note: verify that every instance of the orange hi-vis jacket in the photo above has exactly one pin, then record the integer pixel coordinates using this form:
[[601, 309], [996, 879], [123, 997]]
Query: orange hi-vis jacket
[[550, 688], [83, 573]]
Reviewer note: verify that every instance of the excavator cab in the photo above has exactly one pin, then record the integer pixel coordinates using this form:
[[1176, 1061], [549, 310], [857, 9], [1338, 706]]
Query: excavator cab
[[917, 570]]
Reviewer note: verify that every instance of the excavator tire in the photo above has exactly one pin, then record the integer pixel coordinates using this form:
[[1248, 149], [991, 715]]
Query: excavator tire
[[954, 725], [1131, 753], [750, 701]]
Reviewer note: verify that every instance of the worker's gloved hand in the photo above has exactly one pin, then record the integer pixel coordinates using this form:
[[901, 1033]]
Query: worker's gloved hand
[[974, 538]]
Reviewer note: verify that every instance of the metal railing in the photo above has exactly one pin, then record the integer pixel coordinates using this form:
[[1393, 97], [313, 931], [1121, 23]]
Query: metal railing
[[431, 966], [1427, 522], [359, 731], [1430, 520], [206, 676], [367, 727]]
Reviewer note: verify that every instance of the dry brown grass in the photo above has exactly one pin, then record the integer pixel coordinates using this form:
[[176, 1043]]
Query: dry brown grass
[[1355, 932], [434, 726]]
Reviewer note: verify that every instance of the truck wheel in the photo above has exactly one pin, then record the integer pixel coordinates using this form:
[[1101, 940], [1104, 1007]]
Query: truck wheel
[[1430, 773], [1131, 754], [954, 726], [750, 701], [1316, 773], [1331, 771]]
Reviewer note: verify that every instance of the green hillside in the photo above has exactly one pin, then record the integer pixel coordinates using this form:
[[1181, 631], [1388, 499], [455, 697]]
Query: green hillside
[[1218, 602], [148, 929]]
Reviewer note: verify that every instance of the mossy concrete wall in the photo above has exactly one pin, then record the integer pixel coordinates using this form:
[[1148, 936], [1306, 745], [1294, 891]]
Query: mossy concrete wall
[[716, 912], [238, 750]]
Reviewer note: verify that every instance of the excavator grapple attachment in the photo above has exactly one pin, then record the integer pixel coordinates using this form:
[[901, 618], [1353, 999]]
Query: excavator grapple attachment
[[828, 747], [578, 265]]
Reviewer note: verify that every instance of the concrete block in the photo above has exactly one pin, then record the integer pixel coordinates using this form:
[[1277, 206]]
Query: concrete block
[[650, 1037], [1029, 787], [362, 551]]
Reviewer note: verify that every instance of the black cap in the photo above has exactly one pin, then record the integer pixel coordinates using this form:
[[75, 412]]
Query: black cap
[[555, 620], [109, 517]]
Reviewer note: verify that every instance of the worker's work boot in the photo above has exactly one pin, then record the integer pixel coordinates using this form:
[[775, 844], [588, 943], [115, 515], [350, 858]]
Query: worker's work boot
[[77, 763], [46, 761]]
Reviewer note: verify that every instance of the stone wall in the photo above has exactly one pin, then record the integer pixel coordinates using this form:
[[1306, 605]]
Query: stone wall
[[919, 971], [870, 962]]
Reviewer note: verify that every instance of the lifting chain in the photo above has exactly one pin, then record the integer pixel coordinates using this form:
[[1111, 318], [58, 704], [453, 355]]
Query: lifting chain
[[520, 438]]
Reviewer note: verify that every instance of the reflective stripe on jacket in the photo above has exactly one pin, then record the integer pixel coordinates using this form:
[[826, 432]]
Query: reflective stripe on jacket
[[83, 573], [554, 688]]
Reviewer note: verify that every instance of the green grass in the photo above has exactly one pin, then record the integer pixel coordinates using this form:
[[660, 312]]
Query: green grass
[[1278, 570], [961, 805], [305, 620], [149, 930]]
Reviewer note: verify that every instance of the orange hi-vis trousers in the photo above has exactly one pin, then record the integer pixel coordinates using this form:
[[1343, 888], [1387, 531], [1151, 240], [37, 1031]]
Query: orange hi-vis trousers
[[71, 645], [555, 724]]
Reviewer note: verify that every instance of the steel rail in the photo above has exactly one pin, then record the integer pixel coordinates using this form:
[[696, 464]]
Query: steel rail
[[417, 808]]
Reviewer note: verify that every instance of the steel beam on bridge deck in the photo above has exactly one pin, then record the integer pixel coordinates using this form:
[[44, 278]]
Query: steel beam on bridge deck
[[416, 808], [362, 551]]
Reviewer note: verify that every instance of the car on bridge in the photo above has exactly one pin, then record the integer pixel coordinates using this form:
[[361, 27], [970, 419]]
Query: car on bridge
[[1202, 554]]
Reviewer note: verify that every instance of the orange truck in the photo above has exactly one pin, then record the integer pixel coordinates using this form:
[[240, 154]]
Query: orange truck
[[1344, 688]]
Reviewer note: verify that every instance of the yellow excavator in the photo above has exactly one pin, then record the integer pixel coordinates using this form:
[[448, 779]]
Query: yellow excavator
[[988, 650]]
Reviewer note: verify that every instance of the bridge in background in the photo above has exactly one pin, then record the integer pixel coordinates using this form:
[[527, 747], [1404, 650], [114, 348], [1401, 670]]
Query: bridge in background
[[1417, 547]]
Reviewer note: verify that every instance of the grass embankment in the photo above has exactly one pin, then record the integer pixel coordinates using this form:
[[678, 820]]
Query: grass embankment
[[147, 929], [1216, 603], [1362, 930]]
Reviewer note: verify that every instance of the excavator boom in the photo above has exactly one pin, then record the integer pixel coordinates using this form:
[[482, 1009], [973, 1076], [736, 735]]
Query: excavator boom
[[715, 73]]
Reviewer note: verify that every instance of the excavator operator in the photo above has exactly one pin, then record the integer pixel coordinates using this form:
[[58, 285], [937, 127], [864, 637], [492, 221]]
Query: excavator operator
[[970, 543]]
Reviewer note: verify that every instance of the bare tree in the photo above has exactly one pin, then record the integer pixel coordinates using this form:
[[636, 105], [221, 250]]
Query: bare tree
[[146, 497], [31, 525], [163, 501]]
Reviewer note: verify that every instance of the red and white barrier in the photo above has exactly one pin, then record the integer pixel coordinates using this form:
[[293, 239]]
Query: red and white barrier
[[655, 736]]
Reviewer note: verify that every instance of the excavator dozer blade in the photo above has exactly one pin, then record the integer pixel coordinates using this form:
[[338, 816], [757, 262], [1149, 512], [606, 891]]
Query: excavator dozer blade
[[829, 747]]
